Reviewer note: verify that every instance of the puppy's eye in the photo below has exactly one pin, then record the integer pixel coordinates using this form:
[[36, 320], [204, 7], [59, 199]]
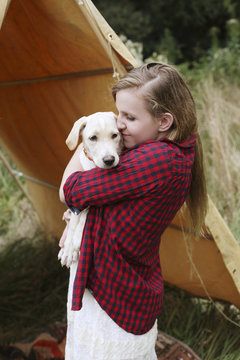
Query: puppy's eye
[[93, 138], [114, 136]]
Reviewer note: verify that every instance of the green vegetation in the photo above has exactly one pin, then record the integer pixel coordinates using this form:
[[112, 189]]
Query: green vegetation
[[33, 288], [188, 24], [215, 83]]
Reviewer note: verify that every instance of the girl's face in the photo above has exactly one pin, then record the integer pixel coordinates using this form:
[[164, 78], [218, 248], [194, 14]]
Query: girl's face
[[134, 122]]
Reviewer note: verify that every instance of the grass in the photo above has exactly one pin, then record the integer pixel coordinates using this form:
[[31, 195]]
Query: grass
[[219, 119], [33, 288], [33, 285], [17, 217], [198, 323]]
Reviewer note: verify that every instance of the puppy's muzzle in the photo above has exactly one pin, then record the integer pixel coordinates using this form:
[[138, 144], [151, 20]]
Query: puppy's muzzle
[[109, 160]]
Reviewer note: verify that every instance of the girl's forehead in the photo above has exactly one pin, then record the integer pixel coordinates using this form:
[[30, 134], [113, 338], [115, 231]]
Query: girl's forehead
[[130, 101], [129, 96]]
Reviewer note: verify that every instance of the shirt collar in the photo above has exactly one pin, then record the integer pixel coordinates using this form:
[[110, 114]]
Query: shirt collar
[[187, 143]]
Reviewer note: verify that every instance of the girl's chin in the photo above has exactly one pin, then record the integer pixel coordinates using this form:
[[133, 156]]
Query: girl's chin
[[128, 143]]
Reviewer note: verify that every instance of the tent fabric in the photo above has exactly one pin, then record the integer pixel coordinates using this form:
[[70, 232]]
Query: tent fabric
[[3, 9], [57, 60]]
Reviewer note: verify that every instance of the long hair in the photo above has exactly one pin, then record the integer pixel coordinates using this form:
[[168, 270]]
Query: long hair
[[164, 90]]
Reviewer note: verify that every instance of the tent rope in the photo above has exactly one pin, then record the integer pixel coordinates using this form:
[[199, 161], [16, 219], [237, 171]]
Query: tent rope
[[20, 174], [15, 174], [115, 72], [11, 172]]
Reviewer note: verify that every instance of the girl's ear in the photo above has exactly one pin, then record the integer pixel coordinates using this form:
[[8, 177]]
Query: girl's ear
[[165, 122]]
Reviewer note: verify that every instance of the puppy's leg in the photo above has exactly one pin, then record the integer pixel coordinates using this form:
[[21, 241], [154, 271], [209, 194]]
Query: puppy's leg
[[65, 255], [66, 217], [78, 233]]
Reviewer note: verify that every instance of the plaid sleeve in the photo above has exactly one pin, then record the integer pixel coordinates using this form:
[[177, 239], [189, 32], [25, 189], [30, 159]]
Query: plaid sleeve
[[140, 171]]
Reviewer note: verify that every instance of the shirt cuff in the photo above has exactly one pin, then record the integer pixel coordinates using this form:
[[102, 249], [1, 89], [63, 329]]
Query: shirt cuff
[[73, 209]]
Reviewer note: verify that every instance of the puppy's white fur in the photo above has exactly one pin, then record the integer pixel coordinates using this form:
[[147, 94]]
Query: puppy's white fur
[[102, 143]]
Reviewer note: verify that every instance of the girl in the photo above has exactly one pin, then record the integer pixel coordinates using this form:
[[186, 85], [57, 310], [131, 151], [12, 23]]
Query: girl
[[118, 287]]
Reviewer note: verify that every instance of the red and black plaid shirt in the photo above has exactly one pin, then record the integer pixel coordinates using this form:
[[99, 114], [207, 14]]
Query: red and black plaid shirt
[[130, 207]]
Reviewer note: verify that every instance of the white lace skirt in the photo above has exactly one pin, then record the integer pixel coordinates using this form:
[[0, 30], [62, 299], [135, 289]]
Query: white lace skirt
[[93, 335]]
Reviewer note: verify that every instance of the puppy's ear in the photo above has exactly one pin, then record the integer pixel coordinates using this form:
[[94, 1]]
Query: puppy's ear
[[113, 115], [73, 137]]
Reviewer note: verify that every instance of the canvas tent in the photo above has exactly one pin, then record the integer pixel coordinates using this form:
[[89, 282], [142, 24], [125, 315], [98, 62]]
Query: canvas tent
[[57, 60]]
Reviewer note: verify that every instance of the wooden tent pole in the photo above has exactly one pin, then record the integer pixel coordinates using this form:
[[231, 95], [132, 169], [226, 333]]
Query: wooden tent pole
[[4, 4], [91, 19], [230, 250]]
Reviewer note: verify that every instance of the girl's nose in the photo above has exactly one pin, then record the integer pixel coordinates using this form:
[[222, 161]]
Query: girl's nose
[[120, 123]]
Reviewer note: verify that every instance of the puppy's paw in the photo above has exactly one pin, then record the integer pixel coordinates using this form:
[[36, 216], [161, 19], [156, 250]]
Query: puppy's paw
[[63, 257], [60, 254], [68, 256], [73, 256]]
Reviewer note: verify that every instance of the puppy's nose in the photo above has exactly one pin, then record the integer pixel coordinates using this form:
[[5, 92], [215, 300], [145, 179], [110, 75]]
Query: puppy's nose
[[108, 160]]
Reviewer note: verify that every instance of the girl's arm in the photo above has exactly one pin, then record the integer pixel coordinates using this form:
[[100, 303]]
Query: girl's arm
[[73, 166], [141, 171]]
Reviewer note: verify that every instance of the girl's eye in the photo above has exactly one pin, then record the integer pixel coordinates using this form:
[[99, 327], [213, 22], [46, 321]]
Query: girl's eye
[[131, 118], [93, 138], [114, 136]]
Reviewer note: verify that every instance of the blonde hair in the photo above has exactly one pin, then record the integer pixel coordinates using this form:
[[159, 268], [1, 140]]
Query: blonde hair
[[164, 90]]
